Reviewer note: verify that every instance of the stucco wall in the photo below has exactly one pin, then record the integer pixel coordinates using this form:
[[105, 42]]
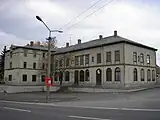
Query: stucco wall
[[18, 69], [129, 49], [129, 67], [129, 81], [93, 66]]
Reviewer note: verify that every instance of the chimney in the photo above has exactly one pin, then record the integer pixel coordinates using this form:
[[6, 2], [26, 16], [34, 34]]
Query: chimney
[[38, 43], [67, 44], [100, 36], [79, 41], [31, 43], [115, 33]]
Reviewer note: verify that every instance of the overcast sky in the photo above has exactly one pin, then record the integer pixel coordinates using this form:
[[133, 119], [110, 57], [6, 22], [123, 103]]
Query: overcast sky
[[138, 20]]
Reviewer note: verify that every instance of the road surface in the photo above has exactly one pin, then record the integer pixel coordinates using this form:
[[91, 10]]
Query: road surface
[[143, 105]]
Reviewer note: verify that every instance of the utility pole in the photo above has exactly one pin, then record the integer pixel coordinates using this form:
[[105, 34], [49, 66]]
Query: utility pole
[[49, 62], [49, 53]]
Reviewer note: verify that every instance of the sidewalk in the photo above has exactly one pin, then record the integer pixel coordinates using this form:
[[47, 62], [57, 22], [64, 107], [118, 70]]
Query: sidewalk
[[37, 97], [105, 90]]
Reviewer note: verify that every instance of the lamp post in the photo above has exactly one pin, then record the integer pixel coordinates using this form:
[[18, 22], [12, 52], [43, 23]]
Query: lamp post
[[49, 52]]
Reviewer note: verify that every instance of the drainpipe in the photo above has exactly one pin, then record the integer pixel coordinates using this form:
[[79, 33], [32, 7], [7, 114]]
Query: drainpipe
[[103, 65], [124, 63], [155, 68]]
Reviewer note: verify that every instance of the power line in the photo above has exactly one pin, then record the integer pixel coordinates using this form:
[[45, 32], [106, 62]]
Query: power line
[[91, 14], [81, 14]]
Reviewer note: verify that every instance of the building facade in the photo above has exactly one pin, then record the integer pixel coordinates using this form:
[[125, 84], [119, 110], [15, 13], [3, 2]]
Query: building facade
[[109, 62], [25, 65]]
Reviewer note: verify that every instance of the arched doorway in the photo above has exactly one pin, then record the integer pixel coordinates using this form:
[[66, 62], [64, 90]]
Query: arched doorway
[[98, 77], [76, 78]]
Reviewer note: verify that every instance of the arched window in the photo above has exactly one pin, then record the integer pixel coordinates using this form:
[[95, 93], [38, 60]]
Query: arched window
[[148, 75], [56, 76], [109, 74], [60, 76], [153, 75], [117, 74], [67, 76], [142, 75], [82, 76], [135, 77], [87, 75], [76, 77]]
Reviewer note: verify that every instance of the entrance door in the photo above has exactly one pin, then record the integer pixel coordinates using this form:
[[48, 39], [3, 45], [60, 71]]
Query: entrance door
[[76, 78], [98, 77]]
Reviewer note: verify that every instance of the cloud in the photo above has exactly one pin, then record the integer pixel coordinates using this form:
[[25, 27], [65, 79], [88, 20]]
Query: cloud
[[8, 39], [137, 20]]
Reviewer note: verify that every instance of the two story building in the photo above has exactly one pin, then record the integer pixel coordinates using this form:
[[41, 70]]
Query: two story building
[[26, 65], [109, 62]]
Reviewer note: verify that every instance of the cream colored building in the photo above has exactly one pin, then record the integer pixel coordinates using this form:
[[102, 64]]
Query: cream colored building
[[109, 62], [25, 65]]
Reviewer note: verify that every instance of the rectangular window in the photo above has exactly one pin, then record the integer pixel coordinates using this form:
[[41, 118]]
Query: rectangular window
[[117, 55], [33, 78], [10, 54], [24, 77], [43, 78], [10, 65], [135, 57], [108, 56], [34, 53], [10, 77], [87, 59], [51, 67], [92, 59], [25, 65], [98, 57], [82, 60], [142, 58], [43, 66], [60, 63], [76, 60], [34, 65], [43, 54], [148, 59], [25, 53], [56, 63], [67, 62]]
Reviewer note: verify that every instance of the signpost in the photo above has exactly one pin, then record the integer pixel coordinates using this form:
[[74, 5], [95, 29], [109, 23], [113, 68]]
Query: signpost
[[48, 82]]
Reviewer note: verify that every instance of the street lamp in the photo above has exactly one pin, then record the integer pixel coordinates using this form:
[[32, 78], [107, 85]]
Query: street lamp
[[49, 51]]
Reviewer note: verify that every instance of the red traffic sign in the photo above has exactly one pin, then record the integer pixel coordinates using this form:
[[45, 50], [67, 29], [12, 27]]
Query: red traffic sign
[[48, 81]]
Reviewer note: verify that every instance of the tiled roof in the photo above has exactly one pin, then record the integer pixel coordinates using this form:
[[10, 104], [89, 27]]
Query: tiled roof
[[33, 48], [100, 42]]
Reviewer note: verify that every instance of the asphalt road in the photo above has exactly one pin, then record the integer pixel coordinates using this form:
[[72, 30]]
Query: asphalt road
[[14, 111], [144, 105]]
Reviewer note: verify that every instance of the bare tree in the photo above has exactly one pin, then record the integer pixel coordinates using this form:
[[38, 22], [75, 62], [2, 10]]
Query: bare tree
[[62, 64], [2, 62], [43, 59]]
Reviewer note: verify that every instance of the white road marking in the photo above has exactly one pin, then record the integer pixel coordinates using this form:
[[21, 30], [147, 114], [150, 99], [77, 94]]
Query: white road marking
[[85, 107], [17, 109], [88, 118]]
